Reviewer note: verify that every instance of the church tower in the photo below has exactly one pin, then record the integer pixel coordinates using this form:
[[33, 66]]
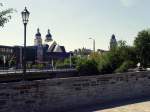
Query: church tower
[[48, 37], [38, 39], [113, 42]]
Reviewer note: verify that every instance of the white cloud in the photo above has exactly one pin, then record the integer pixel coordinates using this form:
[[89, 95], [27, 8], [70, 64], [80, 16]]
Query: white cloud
[[129, 3]]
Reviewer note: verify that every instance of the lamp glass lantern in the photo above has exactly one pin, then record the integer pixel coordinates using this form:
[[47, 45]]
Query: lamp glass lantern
[[25, 15]]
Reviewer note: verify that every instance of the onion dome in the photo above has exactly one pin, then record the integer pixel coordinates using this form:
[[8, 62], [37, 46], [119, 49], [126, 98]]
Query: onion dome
[[48, 36], [38, 34]]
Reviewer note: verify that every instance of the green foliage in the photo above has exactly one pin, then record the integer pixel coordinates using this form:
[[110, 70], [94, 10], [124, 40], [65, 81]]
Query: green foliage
[[126, 52], [142, 45], [29, 66], [74, 60], [108, 63], [12, 62], [116, 57], [60, 64], [38, 66], [95, 56], [5, 15], [116, 60], [87, 67], [119, 59], [124, 66]]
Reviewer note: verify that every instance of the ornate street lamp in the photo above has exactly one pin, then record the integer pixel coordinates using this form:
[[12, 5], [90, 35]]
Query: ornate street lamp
[[25, 16]]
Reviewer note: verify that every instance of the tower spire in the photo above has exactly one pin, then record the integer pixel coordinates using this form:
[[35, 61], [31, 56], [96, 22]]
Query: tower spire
[[48, 31], [113, 42], [38, 39], [38, 30], [48, 36]]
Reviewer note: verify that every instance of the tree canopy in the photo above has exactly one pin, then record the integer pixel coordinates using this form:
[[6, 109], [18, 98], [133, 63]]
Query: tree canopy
[[142, 45], [5, 15]]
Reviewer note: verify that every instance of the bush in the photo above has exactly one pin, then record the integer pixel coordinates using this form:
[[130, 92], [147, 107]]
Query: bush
[[124, 67], [115, 60], [108, 63], [38, 66], [62, 66], [87, 67]]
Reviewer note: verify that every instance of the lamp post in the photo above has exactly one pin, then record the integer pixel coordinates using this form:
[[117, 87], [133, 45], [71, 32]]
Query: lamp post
[[93, 44], [25, 16]]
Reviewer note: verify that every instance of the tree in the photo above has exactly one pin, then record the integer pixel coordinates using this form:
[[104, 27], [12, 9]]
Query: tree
[[109, 62], [127, 53], [142, 45], [119, 59], [87, 67], [5, 15], [94, 56]]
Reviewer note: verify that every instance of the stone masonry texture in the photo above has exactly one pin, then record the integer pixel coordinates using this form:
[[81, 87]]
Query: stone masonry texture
[[52, 95]]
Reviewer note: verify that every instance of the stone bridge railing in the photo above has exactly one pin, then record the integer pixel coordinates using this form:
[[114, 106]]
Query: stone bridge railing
[[53, 95]]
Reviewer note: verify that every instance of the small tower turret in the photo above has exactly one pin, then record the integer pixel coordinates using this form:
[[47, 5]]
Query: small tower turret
[[113, 42], [48, 36], [38, 39]]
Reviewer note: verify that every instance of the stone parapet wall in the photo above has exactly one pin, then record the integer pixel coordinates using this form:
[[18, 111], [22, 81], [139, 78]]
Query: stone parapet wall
[[53, 95]]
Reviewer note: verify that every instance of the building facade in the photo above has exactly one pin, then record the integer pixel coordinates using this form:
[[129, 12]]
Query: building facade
[[41, 52]]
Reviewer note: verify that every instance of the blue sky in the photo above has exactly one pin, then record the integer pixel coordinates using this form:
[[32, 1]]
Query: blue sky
[[72, 22]]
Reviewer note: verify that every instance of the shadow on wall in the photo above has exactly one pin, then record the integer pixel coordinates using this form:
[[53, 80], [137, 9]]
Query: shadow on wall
[[100, 107]]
